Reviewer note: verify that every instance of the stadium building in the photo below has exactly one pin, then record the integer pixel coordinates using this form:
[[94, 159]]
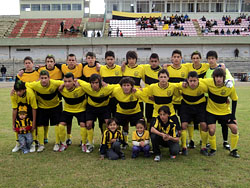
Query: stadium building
[[37, 32]]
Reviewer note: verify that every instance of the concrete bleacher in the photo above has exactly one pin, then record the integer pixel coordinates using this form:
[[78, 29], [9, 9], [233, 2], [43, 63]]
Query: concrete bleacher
[[128, 27], [6, 24], [221, 25]]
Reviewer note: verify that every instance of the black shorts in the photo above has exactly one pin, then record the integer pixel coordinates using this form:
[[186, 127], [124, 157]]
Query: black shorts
[[195, 113], [124, 119], [149, 111], [223, 119], [177, 108], [50, 116], [101, 113], [68, 116], [112, 105]]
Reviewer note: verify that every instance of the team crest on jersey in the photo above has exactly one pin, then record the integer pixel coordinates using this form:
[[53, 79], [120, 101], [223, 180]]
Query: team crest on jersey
[[182, 74], [131, 98], [223, 92], [51, 90], [102, 95], [136, 73], [75, 95], [168, 93], [198, 93], [116, 73]]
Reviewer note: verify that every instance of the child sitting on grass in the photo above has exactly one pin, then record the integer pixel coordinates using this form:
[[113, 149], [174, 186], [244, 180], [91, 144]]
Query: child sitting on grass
[[23, 127], [111, 142], [140, 140]]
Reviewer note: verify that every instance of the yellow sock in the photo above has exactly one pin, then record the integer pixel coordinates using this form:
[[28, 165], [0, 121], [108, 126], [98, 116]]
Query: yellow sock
[[69, 136], [234, 141], [212, 141], [57, 134], [16, 135], [34, 136], [184, 138], [191, 132], [46, 132], [90, 135], [62, 133], [40, 133], [83, 131], [204, 136]]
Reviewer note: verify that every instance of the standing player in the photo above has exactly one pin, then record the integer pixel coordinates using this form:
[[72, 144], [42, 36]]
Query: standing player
[[23, 96], [90, 67], [49, 105], [74, 105], [218, 109]]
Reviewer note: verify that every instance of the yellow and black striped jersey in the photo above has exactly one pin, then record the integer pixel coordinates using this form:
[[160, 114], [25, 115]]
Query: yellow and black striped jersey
[[201, 71], [137, 73], [127, 103], [167, 128], [193, 96], [23, 126], [162, 96], [75, 100], [47, 97], [97, 98], [217, 98], [142, 138], [77, 71], [150, 74], [55, 73], [28, 98], [87, 71], [109, 135], [111, 75], [28, 76]]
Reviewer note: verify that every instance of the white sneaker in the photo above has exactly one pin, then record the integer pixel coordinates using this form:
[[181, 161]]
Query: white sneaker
[[63, 147], [16, 148], [40, 148], [157, 158], [90, 149], [56, 147], [32, 148], [84, 148]]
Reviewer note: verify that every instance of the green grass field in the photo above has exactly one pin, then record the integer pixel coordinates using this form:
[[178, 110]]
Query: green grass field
[[73, 168]]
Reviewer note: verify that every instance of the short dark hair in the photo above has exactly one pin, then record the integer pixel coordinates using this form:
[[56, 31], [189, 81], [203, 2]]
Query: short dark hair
[[19, 85], [109, 54], [111, 120], [50, 57], [164, 109], [154, 56], [95, 77], [196, 53], [141, 121], [193, 74], [212, 54], [71, 55], [44, 73], [176, 52], [91, 54], [28, 58], [69, 75], [163, 71], [219, 72], [126, 80], [131, 54]]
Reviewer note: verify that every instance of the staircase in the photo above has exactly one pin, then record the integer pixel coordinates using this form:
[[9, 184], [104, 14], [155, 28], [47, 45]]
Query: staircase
[[197, 28], [21, 30], [41, 29]]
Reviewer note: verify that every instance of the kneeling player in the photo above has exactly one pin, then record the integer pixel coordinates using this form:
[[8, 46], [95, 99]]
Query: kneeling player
[[218, 109], [165, 133]]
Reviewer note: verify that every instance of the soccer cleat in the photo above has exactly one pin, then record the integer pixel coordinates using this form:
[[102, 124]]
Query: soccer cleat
[[122, 156], [124, 146], [212, 152], [37, 143], [226, 145], [157, 158], [234, 153], [68, 142], [40, 148], [16, 148], [25, 152], [84, 148], [46, 141], [56, 147], [204, 152], [63, 147], [90, 149], [207, 145], [184, 151], [32, 148], [191, 144], [172, 156]]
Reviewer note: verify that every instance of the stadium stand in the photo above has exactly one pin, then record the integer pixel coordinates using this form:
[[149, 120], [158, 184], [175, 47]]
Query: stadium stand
[[128, 27], [6, 24]]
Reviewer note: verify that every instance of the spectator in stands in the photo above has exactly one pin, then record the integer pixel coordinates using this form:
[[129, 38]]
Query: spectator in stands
[[117, 31], [214, 23], [93, 33], [216, 32], [206, 30], [121, 34], [155, 27], [236, 53], [223, 18], [238, 32], [202, 29], [85, 33], [62, 26], [65, 30], [181, 28], [98, 34], [203, 19], [222, 32], [3, 72], [78, 29], [72, 29], [228, 32], [109, 31]]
